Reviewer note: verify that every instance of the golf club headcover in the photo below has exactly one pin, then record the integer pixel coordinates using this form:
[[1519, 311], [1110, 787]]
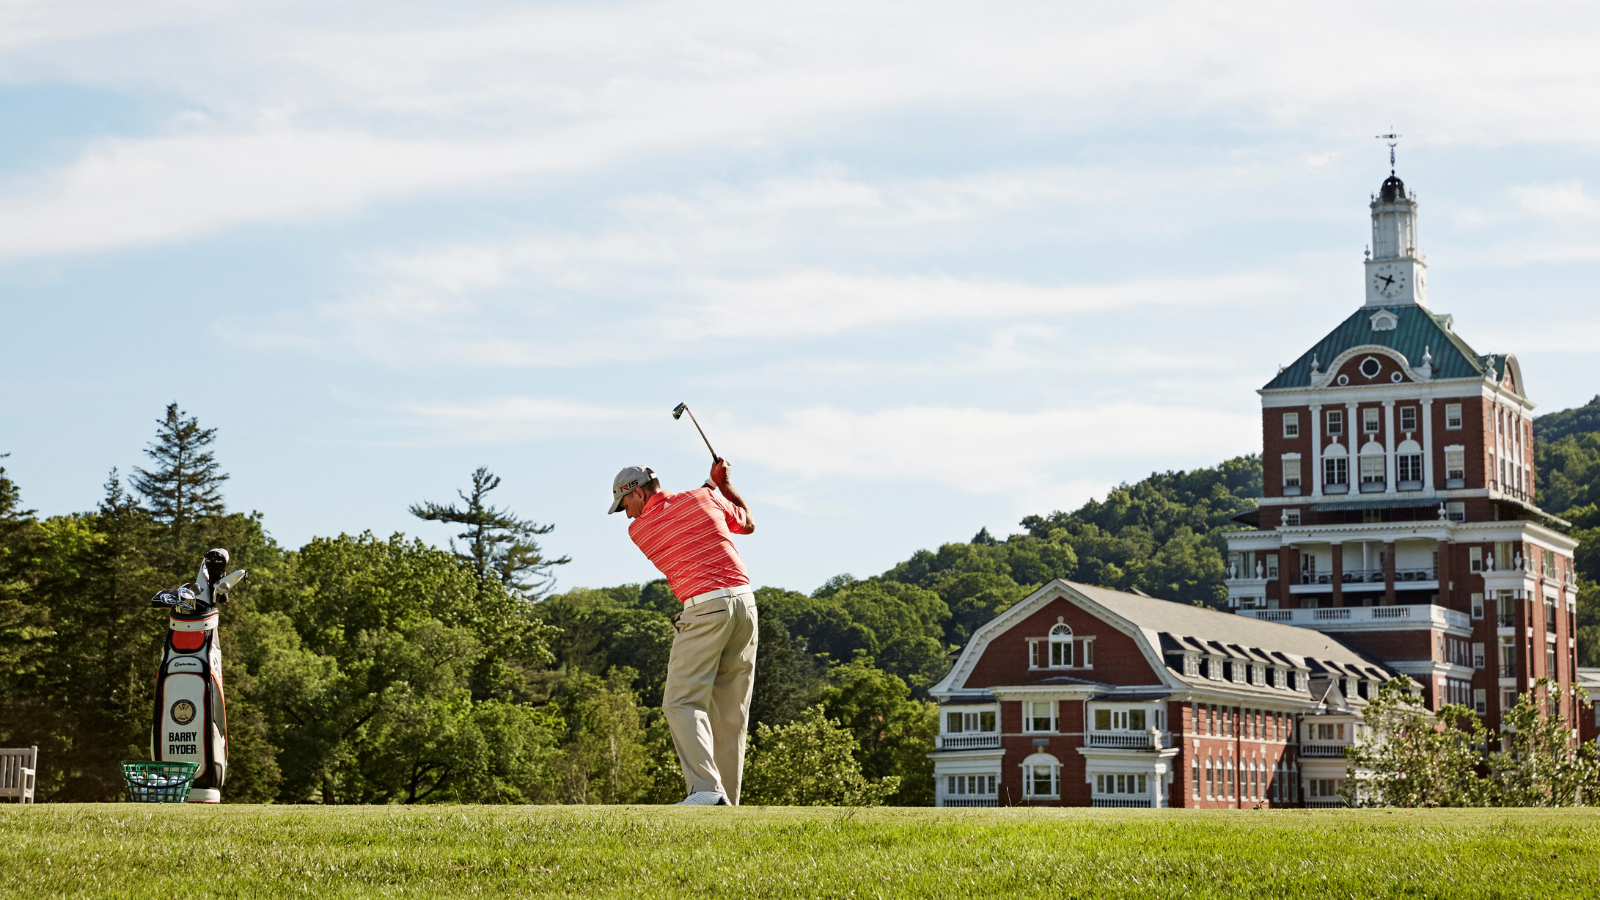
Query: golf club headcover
[[210, 584]]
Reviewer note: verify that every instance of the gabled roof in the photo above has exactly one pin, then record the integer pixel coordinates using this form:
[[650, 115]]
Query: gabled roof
[[1237, 637], [1418, 332], [1162, 626]]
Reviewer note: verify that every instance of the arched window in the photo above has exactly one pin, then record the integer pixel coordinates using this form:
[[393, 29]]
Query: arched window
[[1408, 465], [1060, 646], [1041, 776], [1195, 767], [1229, 775], [1211, 780], [1372, 465], [1335, 466]]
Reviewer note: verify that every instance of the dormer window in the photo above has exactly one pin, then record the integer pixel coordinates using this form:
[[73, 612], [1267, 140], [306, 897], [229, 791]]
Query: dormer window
[[1383, 320], [1191, 665]]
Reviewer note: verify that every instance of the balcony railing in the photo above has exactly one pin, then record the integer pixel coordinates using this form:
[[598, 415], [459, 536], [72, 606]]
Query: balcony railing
[[969, 801], [980, 741], [1510, 490], [1505, 620], [1128, 740], [1370, 576], [1423, 614], [1112, 803], [1322, 751], [1507, 669]]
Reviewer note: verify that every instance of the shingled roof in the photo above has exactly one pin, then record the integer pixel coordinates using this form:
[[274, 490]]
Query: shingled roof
[[1197, 629], [1416, 333]]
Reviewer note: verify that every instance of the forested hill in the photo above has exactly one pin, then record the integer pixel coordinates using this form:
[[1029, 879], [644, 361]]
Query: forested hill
[[1162, 535], [1578, 420]]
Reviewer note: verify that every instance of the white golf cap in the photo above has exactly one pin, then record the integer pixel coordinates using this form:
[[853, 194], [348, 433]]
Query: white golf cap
[[626, 480]]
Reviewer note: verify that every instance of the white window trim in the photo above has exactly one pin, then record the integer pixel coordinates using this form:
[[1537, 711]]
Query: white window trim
[[1027, 717], [978, 710], [1041, 759]]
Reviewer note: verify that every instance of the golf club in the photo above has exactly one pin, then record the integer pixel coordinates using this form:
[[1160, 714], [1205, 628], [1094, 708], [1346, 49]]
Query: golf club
[[678, 414]]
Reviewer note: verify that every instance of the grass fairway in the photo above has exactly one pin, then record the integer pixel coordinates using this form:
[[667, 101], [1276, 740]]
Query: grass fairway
[[648, 853]]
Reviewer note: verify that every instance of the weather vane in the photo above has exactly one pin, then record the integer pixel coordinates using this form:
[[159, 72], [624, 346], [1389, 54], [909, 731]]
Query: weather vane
[[1393, 139]]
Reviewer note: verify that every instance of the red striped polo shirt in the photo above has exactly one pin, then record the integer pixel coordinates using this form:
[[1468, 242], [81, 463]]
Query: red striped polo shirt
[[689, 537]]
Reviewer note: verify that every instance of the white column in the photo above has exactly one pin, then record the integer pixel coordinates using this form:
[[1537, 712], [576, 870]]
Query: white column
[[1427, 446], [1353, 438], [1388, 446], [1316, 451]]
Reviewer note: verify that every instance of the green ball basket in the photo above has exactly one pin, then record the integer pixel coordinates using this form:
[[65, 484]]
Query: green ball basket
[[158, 782]]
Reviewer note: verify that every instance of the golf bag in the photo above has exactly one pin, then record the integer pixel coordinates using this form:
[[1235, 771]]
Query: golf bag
[[191, 721]]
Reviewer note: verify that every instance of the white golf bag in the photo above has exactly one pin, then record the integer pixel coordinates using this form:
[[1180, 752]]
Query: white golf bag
[[191, 721]]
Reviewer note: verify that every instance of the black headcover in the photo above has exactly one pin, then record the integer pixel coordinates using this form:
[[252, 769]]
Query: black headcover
[[216, 564]]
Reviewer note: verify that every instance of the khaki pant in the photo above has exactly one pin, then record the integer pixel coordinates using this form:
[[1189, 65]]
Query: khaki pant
[[710, 677]]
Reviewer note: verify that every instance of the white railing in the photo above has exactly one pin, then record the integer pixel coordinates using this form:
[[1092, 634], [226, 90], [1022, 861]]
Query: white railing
[[968, 801], [1110, 803], [981, 741], [1128, 740], [1425, 615], [1322, 751]]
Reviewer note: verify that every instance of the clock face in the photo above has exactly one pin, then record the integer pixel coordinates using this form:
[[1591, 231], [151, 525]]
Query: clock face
[[1390, 282]]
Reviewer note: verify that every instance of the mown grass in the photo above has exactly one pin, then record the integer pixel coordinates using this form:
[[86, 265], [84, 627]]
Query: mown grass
[[648, 853]]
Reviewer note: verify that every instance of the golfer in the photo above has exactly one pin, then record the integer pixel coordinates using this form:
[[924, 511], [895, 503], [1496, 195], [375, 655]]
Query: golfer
[[711, 671]]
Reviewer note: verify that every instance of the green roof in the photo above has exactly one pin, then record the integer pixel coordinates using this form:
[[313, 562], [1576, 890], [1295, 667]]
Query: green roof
[[1417, 332]]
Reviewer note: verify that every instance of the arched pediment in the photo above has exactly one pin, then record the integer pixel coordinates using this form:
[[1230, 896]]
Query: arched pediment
[[1368, 364]]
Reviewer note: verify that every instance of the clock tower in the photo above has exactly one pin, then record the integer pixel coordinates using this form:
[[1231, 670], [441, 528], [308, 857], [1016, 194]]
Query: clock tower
[[1396, 273]]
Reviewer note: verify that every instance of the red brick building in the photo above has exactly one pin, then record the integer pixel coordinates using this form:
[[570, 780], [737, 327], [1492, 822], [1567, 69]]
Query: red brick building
[[1397, 535], [1083, 696], [1398, 513]]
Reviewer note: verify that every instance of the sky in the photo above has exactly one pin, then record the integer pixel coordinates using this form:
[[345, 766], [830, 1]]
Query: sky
[[918, 268]]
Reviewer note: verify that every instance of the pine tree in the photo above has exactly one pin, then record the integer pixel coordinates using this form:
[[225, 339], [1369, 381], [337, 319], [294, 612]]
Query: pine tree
[[499, 545], [186, 485], [21, 622]]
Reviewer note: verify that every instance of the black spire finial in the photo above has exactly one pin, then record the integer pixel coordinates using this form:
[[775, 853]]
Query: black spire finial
[[1393, 139]]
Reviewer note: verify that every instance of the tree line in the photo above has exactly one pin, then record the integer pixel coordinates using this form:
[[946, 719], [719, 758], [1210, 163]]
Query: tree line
[[372, 669]]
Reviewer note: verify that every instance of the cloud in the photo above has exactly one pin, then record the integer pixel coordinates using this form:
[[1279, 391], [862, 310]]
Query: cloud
[[453, 98], [124, 192], [1032, 457], [507, 419]]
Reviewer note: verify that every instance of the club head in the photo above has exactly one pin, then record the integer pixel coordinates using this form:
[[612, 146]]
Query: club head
[[678, 413]]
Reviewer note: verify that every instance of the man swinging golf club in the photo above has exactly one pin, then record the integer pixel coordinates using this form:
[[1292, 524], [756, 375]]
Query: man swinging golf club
[[711, 671]]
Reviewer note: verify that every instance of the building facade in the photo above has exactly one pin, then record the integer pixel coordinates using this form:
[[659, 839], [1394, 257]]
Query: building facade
[[1398, 511], [1397, 537], [1083, 696]]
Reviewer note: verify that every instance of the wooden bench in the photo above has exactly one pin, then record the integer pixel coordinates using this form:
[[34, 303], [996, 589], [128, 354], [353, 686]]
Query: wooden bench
[[17, 770]]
